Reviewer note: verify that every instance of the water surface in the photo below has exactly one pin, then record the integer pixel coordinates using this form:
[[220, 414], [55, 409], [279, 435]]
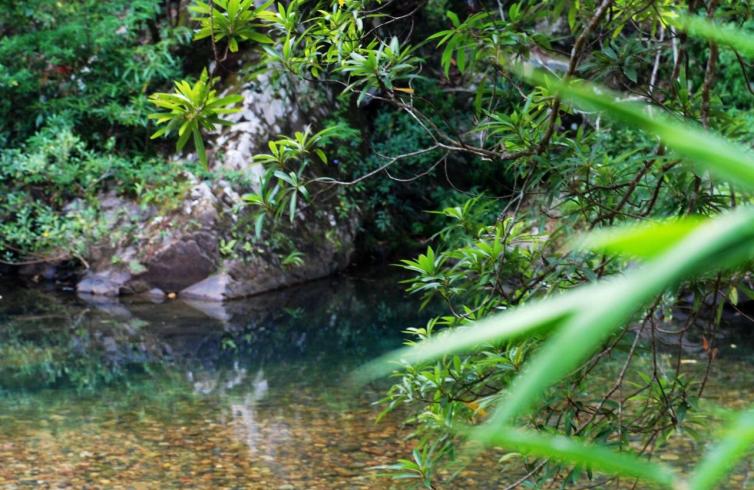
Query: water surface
[[249, 394], [99, 393]]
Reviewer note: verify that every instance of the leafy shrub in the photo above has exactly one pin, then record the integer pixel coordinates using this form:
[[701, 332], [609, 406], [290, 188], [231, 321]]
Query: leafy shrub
[[577, 323], [529, 378], [89, 62], [236, 22], [51, 187], [190, 109]]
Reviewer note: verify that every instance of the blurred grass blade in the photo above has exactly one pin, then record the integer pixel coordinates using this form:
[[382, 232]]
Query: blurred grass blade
[[572, 450], [527, 320], [721, 34], [726, 159], [613, 304], [643, 240], [723, 457], [699, 251]]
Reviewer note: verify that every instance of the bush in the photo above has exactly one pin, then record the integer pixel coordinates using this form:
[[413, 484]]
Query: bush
[[89, 62], [51, 187]]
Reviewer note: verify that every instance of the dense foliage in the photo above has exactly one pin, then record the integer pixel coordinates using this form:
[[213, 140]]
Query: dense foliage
[[52, 185], [75, 78], [453, 126], [91, 63], [453, 71]]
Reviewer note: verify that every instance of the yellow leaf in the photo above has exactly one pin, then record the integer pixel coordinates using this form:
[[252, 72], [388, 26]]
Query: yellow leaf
[[407, 90], [476, 408]]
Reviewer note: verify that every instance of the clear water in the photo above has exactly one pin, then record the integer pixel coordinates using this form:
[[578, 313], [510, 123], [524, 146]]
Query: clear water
[[250, 394], [97, 393]]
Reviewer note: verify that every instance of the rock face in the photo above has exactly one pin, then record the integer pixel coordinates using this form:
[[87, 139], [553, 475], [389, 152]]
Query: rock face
[[179, 250], [189, 263], [180, 253], [105, 283], [145, 250], [330, 246], [265, 113], [182, 262], [270, 107]]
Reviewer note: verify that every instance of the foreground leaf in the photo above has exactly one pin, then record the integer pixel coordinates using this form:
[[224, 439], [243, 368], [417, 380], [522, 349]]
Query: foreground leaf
[[723, 457], [726, 159], [721, 34], [641, 240], [572, 450], [537, 317], [615, 301], [585, 317]]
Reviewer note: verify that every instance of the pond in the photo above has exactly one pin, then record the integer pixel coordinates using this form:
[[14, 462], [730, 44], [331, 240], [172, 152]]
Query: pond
[[100, 393]]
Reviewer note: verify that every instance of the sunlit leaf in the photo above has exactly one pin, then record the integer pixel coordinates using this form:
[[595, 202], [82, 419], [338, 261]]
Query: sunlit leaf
[[726, 159], [643, 240], [722, 34], [737, 442], [571, 450]]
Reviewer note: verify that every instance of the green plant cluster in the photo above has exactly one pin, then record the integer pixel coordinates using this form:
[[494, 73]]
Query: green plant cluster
[[192, 108], [75, 79], [487, 85], [52, 188], [92, 63]]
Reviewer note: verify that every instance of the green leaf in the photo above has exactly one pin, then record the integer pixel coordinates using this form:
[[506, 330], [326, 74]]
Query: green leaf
[[533, 318], [259, 37], [728, 160], [572, 450], [284, 177], [723, 457], [160, 132], [255, 199], [292, 207], [321, 155], [453, 18], [721, 34], [199, 145], [643, 240], [182, 140], [258, 224]]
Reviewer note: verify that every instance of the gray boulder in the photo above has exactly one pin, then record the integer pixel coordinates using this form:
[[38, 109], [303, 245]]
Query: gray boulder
[[105, 283], [327, 248]]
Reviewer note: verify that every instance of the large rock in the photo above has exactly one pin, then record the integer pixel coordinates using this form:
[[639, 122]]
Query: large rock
[[105, 283], [146, 250], [180, 250], [213, 288], [327, 248], [182, 262], [268, 109]]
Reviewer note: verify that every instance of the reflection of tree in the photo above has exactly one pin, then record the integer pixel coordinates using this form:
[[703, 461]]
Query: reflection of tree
[[46, 339], [49, 339]]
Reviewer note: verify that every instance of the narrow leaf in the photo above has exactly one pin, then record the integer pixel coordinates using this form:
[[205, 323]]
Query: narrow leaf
[[723, 457], [572, 450], [729, 160], [641, 240]]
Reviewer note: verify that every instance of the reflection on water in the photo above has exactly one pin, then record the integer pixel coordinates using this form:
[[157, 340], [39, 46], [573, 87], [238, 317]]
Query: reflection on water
[[96, 393], [249, 394]]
